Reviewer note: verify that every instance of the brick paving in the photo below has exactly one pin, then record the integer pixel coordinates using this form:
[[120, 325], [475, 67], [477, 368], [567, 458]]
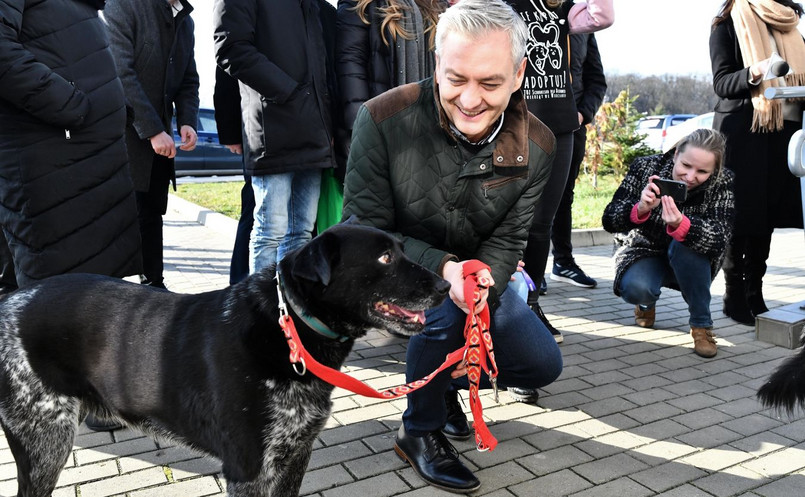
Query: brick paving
[[635, 412]]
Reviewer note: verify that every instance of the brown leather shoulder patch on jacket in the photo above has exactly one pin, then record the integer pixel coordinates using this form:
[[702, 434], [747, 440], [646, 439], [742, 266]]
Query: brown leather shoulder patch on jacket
[[540, 134], [389, 103]]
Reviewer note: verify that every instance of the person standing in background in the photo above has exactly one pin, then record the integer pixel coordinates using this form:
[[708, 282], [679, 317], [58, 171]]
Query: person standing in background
[[67, 202], [745, 34], [153, 45], [276, 50], [589, 87], [548, 94], [381, 44], [226, 100]]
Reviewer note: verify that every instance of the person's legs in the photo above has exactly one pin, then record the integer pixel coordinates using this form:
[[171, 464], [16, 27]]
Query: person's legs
[[641, 284], [756, 255], [539, 235], [272, 193], [692, 273], [302, 208], [564, 266], [734, 300], [151, 206], [563, 220], [239, 266]]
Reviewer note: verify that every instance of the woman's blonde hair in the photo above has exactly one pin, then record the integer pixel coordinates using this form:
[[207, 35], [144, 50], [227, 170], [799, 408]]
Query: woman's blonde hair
[[392, 14], [709, 140]]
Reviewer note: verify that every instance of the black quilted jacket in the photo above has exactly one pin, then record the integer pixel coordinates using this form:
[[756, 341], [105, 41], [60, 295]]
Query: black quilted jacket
[[66, 198], [407, 175], [710, 208]]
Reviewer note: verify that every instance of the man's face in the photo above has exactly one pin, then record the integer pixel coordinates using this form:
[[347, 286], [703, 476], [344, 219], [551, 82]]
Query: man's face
[[476, 79]]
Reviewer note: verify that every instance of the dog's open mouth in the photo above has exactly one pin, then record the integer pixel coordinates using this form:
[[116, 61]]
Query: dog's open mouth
[[393, 312]]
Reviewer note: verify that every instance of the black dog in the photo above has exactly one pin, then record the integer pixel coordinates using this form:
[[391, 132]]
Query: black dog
[[785, 388], [208, 370]]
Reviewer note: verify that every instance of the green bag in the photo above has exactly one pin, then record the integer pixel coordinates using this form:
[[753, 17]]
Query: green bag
[[331, 201]]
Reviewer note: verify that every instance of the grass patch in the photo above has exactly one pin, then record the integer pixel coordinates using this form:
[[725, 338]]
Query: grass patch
[[223, 197], [588, 202]]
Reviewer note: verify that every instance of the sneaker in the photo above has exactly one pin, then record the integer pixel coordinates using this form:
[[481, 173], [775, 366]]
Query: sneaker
[[572, 274], [543, 286], [525, 395], [557, 335]]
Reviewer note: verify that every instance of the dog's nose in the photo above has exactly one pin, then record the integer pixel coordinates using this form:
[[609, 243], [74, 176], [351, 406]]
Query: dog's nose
[[442, 287]]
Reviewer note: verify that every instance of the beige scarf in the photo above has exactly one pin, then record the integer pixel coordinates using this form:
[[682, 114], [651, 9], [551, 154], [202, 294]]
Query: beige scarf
[[754, 20]]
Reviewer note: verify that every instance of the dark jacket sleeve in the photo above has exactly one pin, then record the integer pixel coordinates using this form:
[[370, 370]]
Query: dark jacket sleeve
[[730, 77], [352, 59], [30, 84], [120, 17], [617, 214], [236, 51], [226, 100], [186, 99], [594, 82]]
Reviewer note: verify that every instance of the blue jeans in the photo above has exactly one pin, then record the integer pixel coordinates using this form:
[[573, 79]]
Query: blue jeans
[[284, 215], [527, 357], [642, 282]]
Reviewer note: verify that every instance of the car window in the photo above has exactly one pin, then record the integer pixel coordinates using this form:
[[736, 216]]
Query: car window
[[648, 123], [678, 120], [207, 123]]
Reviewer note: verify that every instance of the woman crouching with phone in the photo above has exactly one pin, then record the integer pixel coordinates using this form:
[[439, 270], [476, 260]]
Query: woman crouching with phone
[[679, 244]]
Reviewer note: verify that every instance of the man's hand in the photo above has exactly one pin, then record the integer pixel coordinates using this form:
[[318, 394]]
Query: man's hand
[[189, 138], [453, 272], [649, 198], [237, 148], [163, 145], [670, 212]]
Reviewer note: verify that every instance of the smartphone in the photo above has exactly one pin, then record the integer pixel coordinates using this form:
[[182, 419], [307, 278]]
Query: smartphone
[[677, 190]]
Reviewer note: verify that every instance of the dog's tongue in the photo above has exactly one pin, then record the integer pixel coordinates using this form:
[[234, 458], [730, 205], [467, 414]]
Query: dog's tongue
[[395, 310]]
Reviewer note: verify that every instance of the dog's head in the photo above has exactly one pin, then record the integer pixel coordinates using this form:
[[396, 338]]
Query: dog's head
[[354, 278]]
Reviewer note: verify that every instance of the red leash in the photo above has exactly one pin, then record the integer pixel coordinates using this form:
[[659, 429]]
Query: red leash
[[478, 352]]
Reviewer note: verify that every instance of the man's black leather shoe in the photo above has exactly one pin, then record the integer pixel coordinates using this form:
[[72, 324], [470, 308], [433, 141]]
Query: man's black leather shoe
[[435, 460], [456, 426]]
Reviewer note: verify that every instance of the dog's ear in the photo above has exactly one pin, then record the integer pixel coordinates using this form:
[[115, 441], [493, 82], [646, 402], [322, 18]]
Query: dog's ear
[[314, 261]]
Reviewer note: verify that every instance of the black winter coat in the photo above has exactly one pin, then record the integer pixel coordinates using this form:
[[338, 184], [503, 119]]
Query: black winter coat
[[767, 195], [66, 201], [363, 61], [155, 59], [589, 83], [276, 50]]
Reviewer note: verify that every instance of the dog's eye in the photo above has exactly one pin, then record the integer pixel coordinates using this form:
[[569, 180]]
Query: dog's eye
[[385, 258]]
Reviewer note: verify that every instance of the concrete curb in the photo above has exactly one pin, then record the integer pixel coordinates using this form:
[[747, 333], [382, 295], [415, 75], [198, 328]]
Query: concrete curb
[[227, 226]]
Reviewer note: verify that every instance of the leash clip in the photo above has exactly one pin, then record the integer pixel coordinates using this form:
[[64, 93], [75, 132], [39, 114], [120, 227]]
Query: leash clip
[[494, 381], [283, 307]]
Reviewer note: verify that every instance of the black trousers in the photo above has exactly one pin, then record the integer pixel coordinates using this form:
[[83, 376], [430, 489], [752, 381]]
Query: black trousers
[[239, 266], [151, 206], [539, 236], [563, 220]]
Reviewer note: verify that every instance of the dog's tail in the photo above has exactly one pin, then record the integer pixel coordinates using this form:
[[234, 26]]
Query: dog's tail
[[785, 388]]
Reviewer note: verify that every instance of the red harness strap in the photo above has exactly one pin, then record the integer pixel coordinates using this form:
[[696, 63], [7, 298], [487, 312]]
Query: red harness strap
[[477, 351]]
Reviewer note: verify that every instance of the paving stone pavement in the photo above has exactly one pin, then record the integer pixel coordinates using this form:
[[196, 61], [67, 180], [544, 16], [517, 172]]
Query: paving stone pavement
[[635, 412]]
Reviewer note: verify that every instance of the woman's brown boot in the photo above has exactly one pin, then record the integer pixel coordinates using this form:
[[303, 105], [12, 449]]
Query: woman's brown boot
[[704, 342]]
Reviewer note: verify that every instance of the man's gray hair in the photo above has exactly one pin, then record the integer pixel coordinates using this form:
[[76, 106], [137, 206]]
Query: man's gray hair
[[475, 18]]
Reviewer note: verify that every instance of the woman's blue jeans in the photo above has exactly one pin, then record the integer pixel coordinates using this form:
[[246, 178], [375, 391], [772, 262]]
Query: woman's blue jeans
[[642, 282], [527, 357]]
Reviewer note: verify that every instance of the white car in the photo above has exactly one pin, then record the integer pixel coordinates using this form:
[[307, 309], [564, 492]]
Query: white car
[[676, 133], [656, 127]]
